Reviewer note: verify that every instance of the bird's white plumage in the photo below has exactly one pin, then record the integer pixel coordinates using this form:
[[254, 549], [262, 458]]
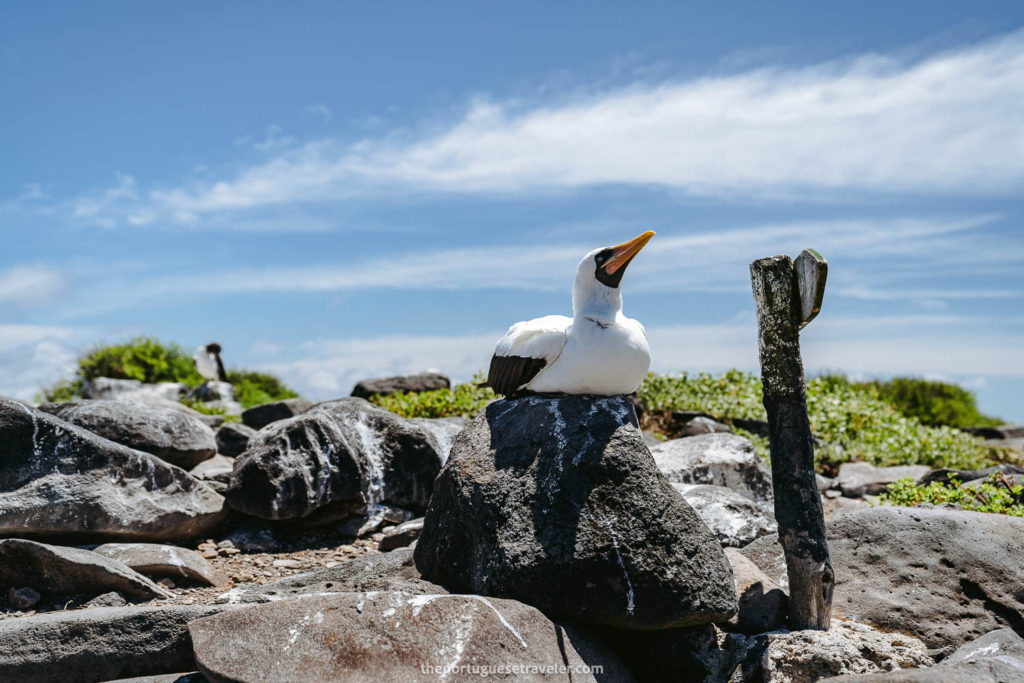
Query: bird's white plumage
[[206, 364], [597, 351]]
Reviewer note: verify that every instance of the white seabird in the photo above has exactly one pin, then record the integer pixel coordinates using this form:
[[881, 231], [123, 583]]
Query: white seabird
[[597, 351], [208, 363]]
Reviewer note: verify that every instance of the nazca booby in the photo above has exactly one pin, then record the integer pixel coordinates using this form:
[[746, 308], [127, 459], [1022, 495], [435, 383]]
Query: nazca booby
[[208, 363], [597, 351]]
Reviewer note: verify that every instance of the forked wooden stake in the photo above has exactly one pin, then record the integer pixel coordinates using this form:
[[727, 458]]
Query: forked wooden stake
[[788, 295]]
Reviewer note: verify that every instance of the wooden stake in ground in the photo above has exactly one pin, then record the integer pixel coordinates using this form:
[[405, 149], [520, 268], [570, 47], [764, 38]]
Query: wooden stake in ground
[[788, 295]]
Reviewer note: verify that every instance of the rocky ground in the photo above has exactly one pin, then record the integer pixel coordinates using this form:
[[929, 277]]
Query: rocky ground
[[551, 540]]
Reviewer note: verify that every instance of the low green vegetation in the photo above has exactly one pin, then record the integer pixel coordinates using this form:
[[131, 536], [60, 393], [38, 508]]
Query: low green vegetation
[[996, 494], [462, 400], [854, 420], [934, 403], [149, 360]]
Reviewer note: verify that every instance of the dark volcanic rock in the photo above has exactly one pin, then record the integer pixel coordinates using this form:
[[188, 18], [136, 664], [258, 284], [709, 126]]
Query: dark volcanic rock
[[390, 636], [59, 479], [232, 438], [557, 502], [99, 644], [963, 476], [340, 452], [425, 381], [945, 576], [259, 417], [718, 459], [402, 535], [170, 435], [67, 571], [734, 519], [392, 571], [153, 559]]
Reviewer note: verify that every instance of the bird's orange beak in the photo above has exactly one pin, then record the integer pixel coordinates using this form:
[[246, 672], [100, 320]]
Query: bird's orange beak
[[624, 253]]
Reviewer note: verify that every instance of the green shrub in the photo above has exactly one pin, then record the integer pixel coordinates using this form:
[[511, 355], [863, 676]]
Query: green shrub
[[150, 360], [853, 419], [462, 400], [996, 494], [934, 403]]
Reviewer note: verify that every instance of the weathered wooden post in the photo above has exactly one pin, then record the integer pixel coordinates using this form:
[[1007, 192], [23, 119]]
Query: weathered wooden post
[[788, 295]]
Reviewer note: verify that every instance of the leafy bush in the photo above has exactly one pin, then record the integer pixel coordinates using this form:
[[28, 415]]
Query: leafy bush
[[150, 360], [996, 494], [462, 400], [934, 403], [854, 420]]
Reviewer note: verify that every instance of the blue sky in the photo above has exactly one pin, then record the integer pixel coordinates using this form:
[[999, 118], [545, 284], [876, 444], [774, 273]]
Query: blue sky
[[341, 190]]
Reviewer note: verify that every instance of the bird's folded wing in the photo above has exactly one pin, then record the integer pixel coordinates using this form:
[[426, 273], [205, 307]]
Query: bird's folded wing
[[526, 349]]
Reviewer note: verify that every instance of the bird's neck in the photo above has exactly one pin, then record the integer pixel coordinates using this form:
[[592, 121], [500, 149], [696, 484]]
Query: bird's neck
[[600, 302]]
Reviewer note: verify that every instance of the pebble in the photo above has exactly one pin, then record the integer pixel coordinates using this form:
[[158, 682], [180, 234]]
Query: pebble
[[208, 554], [167, 582], [287, 564], [225, 544], [229, 551]]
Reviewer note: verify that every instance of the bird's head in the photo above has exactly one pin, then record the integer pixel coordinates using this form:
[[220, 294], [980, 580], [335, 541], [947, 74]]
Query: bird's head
[[212, 347], [596, 290]]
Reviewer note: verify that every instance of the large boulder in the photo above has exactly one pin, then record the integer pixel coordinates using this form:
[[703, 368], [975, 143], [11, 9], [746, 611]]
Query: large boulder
[[58, 570], [99, 644], [154, 559], [338, 453], [718, 459], [734, 519], [232, 438], [170, 435], [59, 479], [944, 576], [260, 416], [558, 503], [424, 381], [394, 636]]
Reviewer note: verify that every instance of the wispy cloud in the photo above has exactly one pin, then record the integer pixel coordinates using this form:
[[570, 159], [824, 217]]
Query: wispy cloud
[[318, 110], [946, 123], [33, 356], [31, 284]]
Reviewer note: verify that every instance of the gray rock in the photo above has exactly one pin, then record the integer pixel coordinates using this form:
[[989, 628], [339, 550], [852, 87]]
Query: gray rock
[[168, 434], [402, 535], [339, 453], [389, 636], [232, 438], [66, 571], [259, 417], [824, 483], [111, 599], [424, 381], [25, 597], [98, 644], [557, 502], [700, 424], [996, 657], [254, 538], [735, 520], [442, 430], [132, 389], [858, 479], [390, 571], [218, 395], [763, 605], [837, 506], [719, 459], [218, 468], [944, 576], [372, 520], [846, 648], [59, 479], [944, 475], [155, 560]]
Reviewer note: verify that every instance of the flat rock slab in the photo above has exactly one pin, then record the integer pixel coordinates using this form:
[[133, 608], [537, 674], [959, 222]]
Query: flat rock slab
[[424, 381], [100, 644], [996, 657], [718, 459], [944, 576], [59, 570], [858, 479], [339, 452], [734, 519], [170, 435], [260, 416], [60, 479], [558, 503], [392, 571], [154, 559], [391, 636]]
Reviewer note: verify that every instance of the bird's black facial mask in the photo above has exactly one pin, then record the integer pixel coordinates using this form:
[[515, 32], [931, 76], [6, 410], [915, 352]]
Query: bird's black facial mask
[[602, 275]]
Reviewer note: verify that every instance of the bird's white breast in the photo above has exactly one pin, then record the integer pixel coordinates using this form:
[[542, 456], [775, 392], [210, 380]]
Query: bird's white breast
[[606, 358]]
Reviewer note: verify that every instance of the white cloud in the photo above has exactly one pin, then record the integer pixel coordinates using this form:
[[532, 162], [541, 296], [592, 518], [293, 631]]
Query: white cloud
[[319, 110], [31, 284], [34, 356], [947, 123]]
